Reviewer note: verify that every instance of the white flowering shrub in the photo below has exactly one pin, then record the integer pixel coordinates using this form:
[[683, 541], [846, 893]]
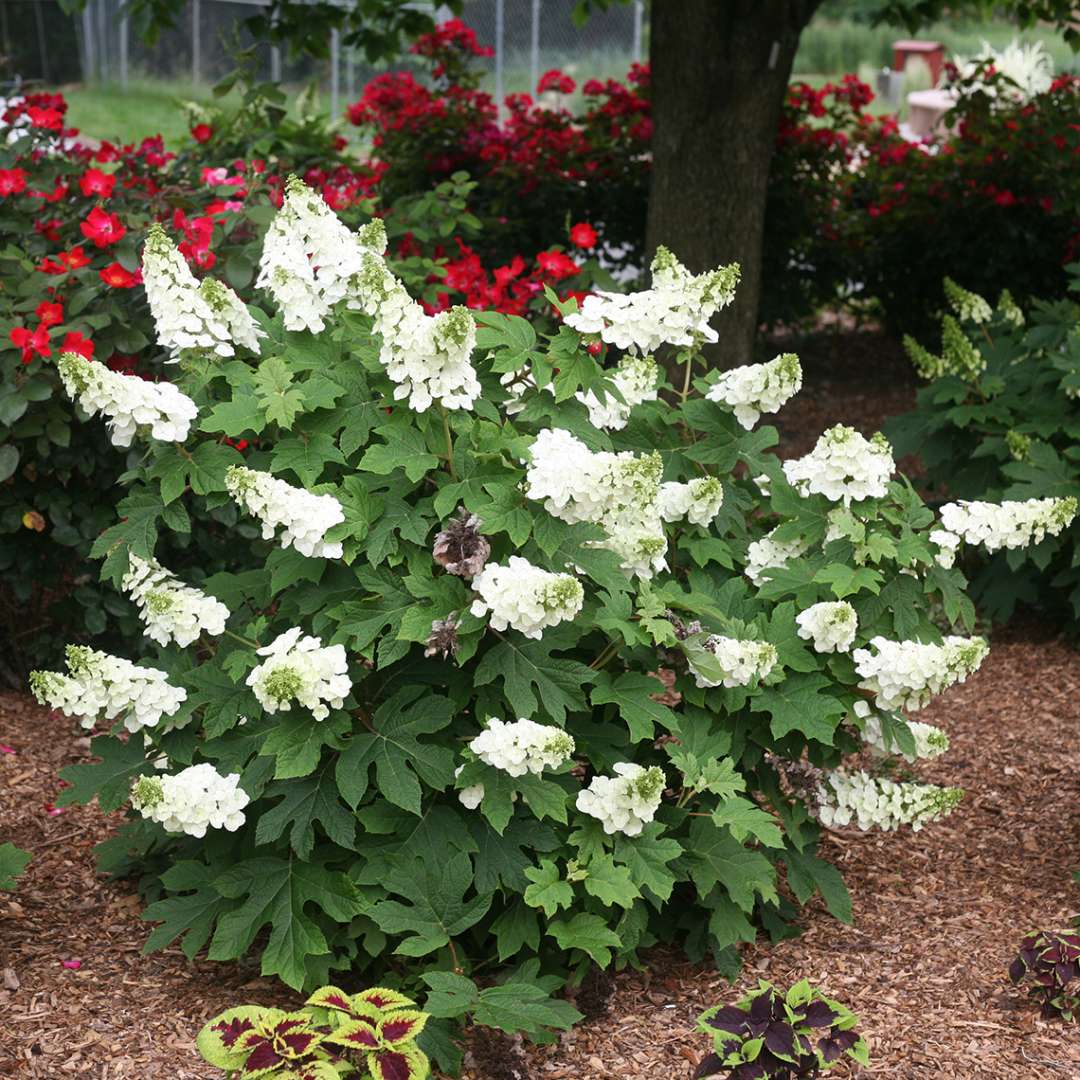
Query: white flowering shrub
[[996, 427], [500, 684]]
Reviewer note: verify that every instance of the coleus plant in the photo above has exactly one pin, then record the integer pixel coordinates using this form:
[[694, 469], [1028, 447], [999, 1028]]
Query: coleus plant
[[777, 1035], [522, 672], [370, 1035], [1051, 962]]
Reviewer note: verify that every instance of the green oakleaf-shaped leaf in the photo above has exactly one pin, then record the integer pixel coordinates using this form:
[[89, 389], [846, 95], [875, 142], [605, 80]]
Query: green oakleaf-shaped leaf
[[279, 893], [110, 779], [632, 692], [13, 861], [220, 1040], [393, 745], [744, 818], [522, 1006], [799, 704], [587, 932], [717, 858], [521, 668], [190, 911], [437, 908], [610, 883], [647, 856], [305, 803], [548, 889]]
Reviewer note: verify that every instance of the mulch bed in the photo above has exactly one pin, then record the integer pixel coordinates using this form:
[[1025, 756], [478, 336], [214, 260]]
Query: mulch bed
[[937, 914]]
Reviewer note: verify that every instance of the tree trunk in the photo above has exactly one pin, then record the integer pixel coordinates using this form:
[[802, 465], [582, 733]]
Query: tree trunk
[[720, 69]]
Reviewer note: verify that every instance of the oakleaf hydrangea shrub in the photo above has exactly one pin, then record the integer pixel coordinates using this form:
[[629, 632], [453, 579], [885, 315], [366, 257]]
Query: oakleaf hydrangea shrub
[[501, 693], [776, 1035], [1050, 963], [370, 1035], [997, 427]]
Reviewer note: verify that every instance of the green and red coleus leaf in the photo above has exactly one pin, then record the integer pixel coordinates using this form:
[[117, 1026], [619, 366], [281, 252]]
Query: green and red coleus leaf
[[359, 1033], [382, 998], [401, 1026], [399, 1064]]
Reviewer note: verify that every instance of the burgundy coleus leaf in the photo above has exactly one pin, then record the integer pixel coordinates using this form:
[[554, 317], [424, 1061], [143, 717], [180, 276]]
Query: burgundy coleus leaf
[[1017, 969], [819, 1014], [710, 1065], [382, 998], [361, 1033], [263, 1056], [780, 1039], [231, 1030], [330, 997], [728, 1018], [393, 1065], [401, 1026], [836, 1044]]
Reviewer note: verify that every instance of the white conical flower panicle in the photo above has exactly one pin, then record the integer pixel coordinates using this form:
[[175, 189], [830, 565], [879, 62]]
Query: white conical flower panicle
[[170, 609], [626, 802], [304, 517], [192, 801], [131, 406], [301, 669], [844, 467], [768, 553], [930, 741], [968, 305], [525, 597], [732, 662], [309, 258], [188, 316], [428, 356], [620, 492], [98, 685], [635, 378], [758, 388], [907, 674], [830, 625], [994, 526], [675, 311], [522, 747], [844, 798]]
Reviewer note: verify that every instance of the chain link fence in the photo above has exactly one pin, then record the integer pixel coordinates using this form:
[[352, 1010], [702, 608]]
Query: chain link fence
[[40, 42]]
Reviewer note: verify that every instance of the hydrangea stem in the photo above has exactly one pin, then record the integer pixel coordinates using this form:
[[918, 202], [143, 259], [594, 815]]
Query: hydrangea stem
[[449, 442]]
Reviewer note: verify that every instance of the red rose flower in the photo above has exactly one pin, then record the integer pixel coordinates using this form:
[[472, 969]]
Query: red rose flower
[[583, 235], [557, 265], [76, 343], [33, 343], [117, 277], [50, 314], [76, 258], [12, 182], [556, 80], [202, 133], [95, 183], [102, 229]]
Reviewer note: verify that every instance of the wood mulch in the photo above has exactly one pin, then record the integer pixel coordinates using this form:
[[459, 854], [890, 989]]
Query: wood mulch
[[937, 914]]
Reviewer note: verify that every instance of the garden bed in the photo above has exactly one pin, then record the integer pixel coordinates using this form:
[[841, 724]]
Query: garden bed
[[937, 916]]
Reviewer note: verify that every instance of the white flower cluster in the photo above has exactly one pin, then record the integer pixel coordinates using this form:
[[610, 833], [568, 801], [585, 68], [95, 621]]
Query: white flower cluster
[[171, 610], [831, 626], [626, 802], [472, 796], [522, 747], [740, 662], [98, 684], [769, 554], [874, 803], [300, 669], [131, 405], [907, 674], [1030, 67], [188, 315], [428, 356], [525, 597], [697, 500], [309, 257], [930, 741], [305, 517], [634, 378], [843, 466], [758, 388], [994, 526], [968, 305], [192, 801], [620, 492], [675, 311]]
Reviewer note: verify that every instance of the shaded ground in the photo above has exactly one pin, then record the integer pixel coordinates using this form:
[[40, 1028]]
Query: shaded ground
[[937, 914]]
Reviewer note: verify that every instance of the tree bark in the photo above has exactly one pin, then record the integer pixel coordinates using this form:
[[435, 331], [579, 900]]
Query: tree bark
[[720, 69]]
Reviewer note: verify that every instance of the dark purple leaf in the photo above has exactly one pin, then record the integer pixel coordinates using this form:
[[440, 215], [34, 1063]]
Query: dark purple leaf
[[264, 1056], [833, 1046], [710, 1065], [820, 1014], [780, 1039], [729, 1018]]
